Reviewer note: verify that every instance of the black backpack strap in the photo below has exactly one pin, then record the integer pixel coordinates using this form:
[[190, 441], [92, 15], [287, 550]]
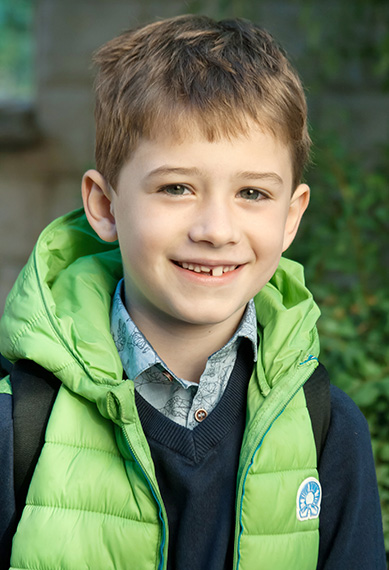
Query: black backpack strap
[[34, 391], [318, 398]]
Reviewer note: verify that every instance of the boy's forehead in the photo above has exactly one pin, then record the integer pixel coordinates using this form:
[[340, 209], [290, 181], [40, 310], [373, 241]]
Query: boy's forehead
[[187, 150]]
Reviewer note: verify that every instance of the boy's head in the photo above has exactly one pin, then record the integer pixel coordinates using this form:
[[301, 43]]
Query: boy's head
[[193, 72], [201, 142]]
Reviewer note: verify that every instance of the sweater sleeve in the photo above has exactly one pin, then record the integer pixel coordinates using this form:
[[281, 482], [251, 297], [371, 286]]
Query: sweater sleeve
[[351, 535]]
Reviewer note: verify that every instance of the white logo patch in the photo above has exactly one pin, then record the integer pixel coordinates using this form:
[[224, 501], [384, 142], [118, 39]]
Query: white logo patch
[[308, 499]]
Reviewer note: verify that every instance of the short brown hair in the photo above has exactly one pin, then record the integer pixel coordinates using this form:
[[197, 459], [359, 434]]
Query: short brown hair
[[189, 70]]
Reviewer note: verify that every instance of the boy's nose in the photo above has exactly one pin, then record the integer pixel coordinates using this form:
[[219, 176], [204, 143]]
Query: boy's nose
[[215, 224]]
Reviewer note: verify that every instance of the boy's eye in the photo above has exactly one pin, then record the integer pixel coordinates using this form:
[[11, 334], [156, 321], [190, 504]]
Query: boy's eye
[[251, 194], [175, 189]]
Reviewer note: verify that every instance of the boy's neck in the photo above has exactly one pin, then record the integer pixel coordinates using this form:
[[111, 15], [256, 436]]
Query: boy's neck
[[183, 347]]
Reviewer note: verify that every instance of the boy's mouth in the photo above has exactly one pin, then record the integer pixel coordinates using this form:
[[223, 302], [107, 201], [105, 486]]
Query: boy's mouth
[[214, 271]]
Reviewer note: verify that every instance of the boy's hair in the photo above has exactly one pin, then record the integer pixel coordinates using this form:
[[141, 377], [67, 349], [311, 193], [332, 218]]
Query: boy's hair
[[191, 72]]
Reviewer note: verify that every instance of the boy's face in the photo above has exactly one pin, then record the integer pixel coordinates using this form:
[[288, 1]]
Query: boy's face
[[202, 226]]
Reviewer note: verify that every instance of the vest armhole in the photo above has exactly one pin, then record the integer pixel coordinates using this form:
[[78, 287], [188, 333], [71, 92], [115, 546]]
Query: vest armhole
[[318, 399], [5, 366]]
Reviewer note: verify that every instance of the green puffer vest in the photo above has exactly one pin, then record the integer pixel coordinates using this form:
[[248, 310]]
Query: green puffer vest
[[94, 501]]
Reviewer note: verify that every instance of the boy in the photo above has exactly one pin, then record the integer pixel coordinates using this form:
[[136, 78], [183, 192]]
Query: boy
[[181, 436]]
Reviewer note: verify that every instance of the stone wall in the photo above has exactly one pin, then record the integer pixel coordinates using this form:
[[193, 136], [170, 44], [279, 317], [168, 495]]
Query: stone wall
[[40, 179]]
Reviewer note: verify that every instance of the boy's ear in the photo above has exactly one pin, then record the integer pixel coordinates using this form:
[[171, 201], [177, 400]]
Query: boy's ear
[[298, 204], [97, 197]]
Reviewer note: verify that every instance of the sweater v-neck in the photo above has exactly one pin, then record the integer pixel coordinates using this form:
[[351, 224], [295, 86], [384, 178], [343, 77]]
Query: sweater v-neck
[[195, 444]]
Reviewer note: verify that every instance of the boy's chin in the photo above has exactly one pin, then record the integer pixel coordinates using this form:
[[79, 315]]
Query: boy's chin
[[207, 318]]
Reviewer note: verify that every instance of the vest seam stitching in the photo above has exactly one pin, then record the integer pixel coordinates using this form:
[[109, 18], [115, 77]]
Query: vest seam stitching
[[27, 327], [313, 467], [63, 367], [58, 507], [73, 445], [298, 532], [15, 291]]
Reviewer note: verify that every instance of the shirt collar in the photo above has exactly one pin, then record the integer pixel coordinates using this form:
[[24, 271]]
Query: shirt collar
[[137, 354]]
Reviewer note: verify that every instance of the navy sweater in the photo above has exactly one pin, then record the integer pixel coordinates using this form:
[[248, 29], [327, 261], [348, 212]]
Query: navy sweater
[[196, 471]]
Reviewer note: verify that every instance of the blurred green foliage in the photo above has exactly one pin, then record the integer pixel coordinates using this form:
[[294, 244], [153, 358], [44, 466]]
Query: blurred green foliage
[[348, 41], [16, 49]]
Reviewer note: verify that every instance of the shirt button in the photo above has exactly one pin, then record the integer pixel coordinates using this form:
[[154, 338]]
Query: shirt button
[[200, 415], [168, 376]]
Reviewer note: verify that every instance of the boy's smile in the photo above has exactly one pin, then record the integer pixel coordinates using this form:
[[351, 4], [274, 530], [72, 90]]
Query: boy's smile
[[202, 225]]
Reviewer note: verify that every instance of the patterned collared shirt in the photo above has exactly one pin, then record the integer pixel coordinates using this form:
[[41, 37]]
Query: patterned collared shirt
[[182, 401]]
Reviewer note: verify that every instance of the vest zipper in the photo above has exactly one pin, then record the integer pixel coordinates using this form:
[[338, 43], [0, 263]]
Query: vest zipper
[[157, 496], [250, 459]]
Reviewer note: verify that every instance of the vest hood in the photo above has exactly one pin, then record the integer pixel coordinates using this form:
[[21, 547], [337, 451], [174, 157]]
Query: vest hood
[[58, 314]]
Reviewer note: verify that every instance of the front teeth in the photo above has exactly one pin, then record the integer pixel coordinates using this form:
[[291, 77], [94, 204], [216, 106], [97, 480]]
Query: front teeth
[[217, 271], [214, 271]]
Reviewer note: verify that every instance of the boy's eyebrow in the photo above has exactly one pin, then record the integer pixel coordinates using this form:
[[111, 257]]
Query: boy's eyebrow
[[173, 170], [246, 174], [251, 175]]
